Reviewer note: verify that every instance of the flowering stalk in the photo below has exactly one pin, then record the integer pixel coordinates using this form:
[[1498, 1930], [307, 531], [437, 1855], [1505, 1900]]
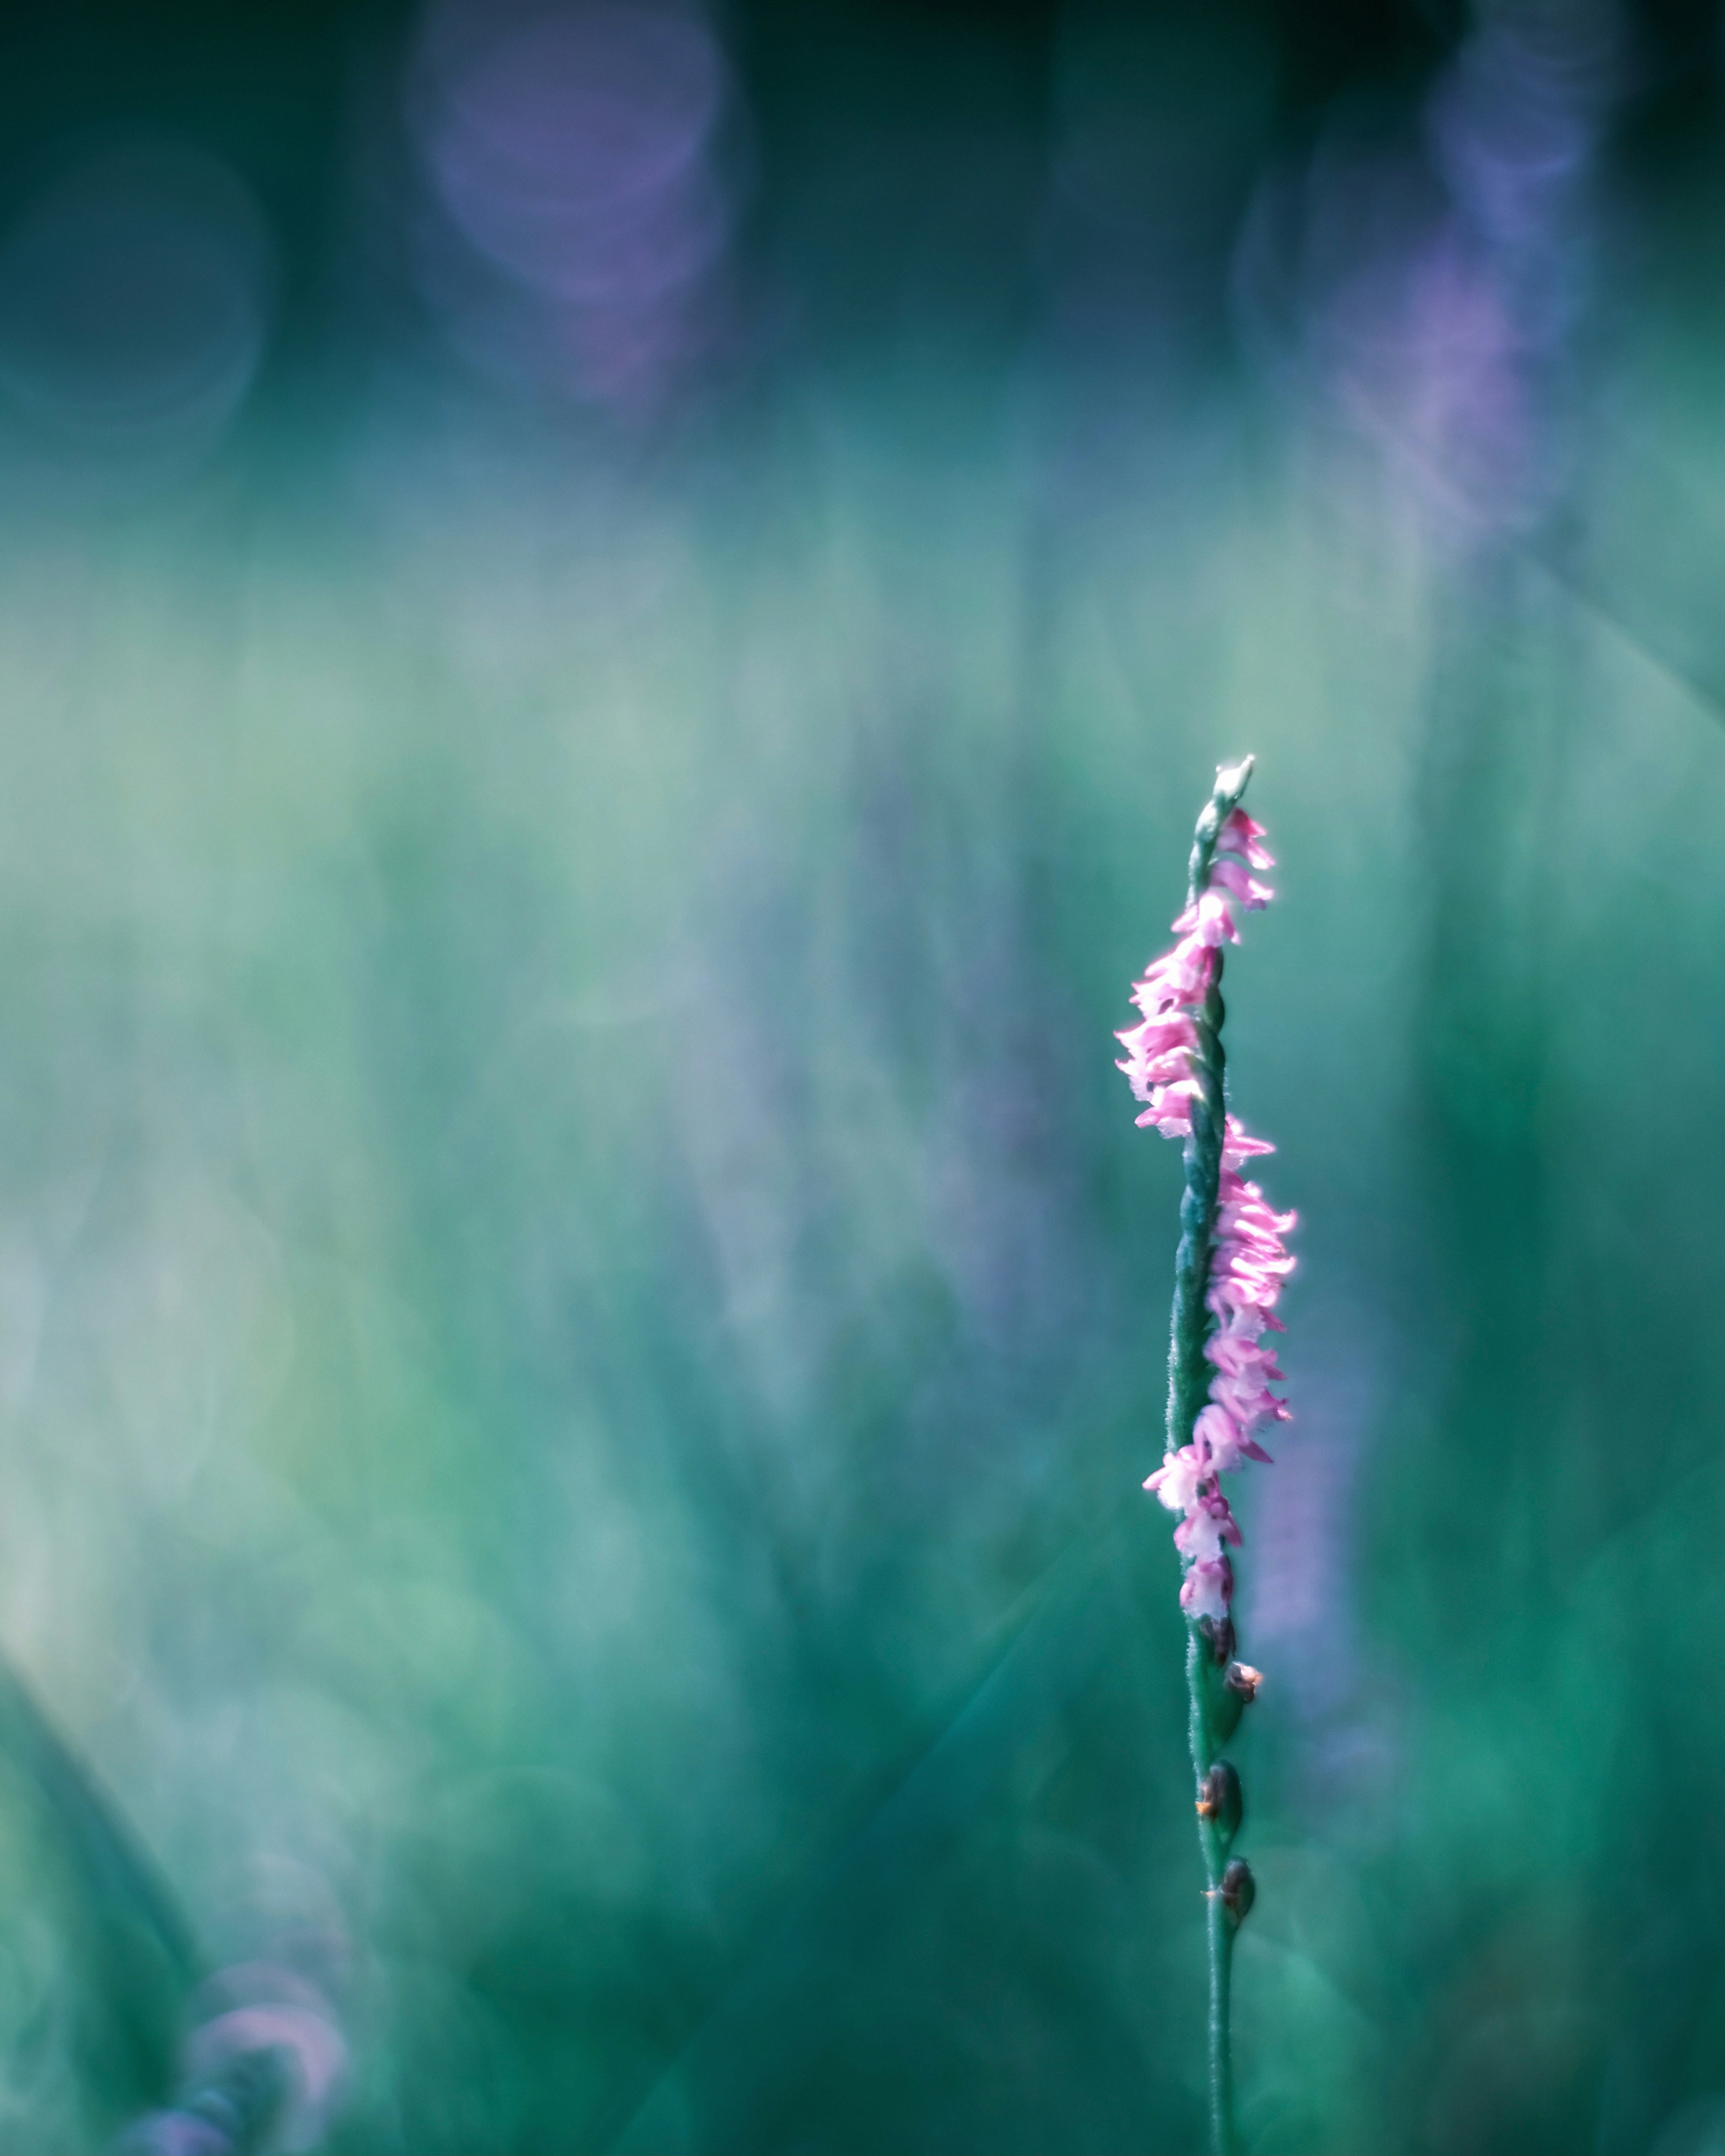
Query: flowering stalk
[[1227, 1274]]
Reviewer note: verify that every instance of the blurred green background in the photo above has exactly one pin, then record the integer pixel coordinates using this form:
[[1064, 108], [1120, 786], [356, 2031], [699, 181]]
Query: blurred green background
[[612, 623]]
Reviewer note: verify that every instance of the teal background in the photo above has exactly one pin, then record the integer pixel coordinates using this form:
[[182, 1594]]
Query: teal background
[[580, 1309]]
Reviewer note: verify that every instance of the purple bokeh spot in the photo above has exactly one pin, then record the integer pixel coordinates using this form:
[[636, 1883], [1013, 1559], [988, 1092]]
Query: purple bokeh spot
[[571, 153], [175, 2133], [585, 108]]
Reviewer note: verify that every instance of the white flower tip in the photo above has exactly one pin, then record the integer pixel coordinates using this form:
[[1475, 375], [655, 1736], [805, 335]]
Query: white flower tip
[[1231, 777]]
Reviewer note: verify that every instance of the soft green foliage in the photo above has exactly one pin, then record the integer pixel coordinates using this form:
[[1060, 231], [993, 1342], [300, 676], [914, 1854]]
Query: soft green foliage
[[581, 1311]]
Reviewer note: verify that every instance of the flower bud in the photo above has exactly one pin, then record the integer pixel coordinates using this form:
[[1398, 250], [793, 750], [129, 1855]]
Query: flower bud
[[1220, 1803], [1239, 1890], [1228, 1685]]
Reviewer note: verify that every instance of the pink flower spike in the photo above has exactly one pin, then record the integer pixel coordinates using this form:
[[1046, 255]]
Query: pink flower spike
[[1171, 1060], [1208, 1588], [1241, 834], [1232, 877]]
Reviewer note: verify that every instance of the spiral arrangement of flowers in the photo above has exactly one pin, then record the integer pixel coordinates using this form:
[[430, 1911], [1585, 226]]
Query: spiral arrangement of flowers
[[1229, 1272]]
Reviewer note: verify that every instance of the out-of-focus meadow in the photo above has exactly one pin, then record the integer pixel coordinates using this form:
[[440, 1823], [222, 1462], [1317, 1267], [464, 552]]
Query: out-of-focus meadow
[[611, 621]]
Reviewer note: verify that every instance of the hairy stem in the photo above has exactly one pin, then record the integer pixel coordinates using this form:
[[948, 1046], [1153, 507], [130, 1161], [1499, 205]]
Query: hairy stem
[[1221, 1926], [1203, 1667]]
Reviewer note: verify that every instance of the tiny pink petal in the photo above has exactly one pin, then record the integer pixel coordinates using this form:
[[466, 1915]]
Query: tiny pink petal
[[1206, 1527], [1177, 1481], [1210, 921], [1172, 1114], [1155, 1036], [1208, 1588], [1241, 834], [1215, 1438], [1254, 895], [1165, 1069], [1238, 1146]]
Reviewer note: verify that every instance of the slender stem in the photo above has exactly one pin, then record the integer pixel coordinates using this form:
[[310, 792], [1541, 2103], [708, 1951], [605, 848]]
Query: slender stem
[[1219, 1924], [1221, 1942]]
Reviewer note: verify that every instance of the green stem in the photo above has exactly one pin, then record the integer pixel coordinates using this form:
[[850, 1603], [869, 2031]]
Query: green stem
[[1221, 1942], [1201, 1670]]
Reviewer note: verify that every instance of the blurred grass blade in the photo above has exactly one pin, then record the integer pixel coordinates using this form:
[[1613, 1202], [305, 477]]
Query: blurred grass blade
[[119, 1879], [1045, 1648], [135, 1951]]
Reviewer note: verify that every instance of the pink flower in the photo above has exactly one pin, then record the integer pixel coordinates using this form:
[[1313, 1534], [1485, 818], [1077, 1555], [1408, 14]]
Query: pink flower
[[1159, 1055], [1240, 1356], [1178, 1480], [1206, 1527], [1157, 1036], [1244, 1210], [1209, 919], [1208, 1588], [1146, 1075], [1246, 1405], [1240, 834], [1247, 1280], [1220, 1440], [1255, 1274], [1237, 1146], [1180, 976], [1253, 894], [1171, 1112]]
